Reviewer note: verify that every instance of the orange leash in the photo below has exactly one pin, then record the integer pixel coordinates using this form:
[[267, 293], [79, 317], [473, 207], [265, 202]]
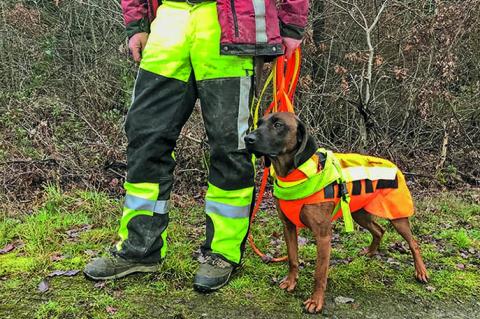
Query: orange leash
[[286, 73]]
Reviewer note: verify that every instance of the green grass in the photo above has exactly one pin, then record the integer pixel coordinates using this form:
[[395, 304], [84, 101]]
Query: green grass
[[445, 225]]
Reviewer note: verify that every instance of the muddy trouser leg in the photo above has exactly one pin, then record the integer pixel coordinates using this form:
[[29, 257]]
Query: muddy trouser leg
[[225, 91], [164, 97], [230, 182]]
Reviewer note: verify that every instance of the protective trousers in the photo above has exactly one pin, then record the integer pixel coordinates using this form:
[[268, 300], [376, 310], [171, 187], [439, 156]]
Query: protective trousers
[[182, 61]]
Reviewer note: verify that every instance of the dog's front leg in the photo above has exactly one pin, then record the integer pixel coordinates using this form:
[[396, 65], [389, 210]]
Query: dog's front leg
[[317, 218], [290, 233]]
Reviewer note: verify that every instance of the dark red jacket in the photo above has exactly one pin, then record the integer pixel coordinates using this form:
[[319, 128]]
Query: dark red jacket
[[249, 27]]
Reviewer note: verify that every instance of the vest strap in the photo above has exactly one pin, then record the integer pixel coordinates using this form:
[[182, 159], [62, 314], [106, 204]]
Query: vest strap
[[331, 173]]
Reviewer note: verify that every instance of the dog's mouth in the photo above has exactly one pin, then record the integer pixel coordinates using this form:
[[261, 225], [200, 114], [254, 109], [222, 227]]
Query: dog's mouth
[[257, 145], [259, 152]]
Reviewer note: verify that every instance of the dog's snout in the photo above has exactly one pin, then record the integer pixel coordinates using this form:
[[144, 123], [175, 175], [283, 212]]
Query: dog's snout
[[250, 138]]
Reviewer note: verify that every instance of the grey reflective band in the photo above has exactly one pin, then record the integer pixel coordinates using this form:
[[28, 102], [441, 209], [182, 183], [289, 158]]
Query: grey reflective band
[[243, 110], [260, 24], [227, 210], [138, 203], [134, 86]]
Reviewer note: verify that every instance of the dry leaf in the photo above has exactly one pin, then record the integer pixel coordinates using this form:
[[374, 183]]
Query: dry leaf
[[343, 300], [75, 232], [56, 256], [111, 310], [430, 288], [11, 246], [67, 273], [100, 285], [7, 248], [43, 286]]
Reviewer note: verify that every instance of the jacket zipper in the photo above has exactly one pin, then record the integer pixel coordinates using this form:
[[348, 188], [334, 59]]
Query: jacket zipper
[[234, 13]]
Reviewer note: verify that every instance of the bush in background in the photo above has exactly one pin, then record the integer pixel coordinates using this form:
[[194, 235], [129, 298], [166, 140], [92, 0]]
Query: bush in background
[[399, 80]]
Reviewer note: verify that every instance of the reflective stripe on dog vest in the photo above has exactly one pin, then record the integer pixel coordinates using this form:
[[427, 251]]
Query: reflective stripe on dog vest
[[358, 167], [316, 181]]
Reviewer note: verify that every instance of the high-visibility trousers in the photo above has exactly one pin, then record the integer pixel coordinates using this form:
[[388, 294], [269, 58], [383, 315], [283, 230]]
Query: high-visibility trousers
[[182, 61]]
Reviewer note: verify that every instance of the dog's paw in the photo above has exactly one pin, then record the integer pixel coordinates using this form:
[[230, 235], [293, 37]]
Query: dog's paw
[[368, 252], [288, 283], [314, 304], [421, 274]]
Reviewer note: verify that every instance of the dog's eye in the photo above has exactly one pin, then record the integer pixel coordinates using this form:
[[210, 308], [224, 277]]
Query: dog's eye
[[278, 124]]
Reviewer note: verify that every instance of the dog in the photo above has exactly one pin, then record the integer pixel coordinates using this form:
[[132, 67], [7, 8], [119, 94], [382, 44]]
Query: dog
[[282, 139]]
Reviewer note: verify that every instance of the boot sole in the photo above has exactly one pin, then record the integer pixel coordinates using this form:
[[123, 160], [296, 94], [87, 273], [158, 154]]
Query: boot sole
[[144, 269], [206, 289]]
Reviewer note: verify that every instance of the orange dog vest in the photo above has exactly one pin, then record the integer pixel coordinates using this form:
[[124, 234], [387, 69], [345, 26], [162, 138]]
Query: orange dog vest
[[373, 184]]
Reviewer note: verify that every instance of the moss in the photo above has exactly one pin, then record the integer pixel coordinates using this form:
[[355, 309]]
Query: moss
[[12, 283], [13, 264], [458, 284]]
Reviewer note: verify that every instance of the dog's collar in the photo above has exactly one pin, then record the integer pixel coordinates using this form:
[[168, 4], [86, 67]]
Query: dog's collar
[[306, 170], [305, 154], [310, 177]]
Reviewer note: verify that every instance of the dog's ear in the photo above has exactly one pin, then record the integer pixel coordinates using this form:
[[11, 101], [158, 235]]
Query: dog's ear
[[307, 146]]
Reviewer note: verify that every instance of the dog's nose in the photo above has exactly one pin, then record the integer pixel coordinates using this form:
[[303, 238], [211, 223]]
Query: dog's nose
[[250, 138]]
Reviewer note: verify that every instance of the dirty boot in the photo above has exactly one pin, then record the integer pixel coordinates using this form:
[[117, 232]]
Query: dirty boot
[[113, 267], [212, 274]]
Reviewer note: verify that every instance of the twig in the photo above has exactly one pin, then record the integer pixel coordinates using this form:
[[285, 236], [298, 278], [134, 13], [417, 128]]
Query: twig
[[186, 170], [116, 173], [191, 138], [443, 153], [462, 129], [419, 175], [68, 109], [43, 161], [326, 70]]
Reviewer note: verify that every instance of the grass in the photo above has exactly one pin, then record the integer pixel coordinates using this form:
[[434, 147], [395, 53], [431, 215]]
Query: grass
[[79, 224]]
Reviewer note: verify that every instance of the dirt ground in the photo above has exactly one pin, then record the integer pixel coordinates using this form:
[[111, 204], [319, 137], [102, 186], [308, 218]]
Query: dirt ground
[[43, 252]]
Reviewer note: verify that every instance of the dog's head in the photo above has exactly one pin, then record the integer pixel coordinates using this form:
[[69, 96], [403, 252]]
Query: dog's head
[[281, 134]]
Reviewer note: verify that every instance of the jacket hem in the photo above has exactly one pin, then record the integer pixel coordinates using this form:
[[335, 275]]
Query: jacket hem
[[251, 49], [291, 31]]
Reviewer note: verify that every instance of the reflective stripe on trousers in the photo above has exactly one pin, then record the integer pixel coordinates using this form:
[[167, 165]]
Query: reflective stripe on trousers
[[228, 219], [143, 226]]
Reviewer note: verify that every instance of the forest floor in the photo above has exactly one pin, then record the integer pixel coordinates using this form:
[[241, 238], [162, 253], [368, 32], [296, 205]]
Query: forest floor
[[44, 250]]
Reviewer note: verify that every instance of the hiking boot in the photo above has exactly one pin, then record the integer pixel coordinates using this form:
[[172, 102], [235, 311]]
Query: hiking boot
[[212, 274], [113, 267]]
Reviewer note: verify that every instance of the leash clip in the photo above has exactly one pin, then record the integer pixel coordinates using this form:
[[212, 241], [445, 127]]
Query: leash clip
[[342, 190]]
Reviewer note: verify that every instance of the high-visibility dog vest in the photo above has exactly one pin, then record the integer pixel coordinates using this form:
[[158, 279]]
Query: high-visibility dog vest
[[340, 178]]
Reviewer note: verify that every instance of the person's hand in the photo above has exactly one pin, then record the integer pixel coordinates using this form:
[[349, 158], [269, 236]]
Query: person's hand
[[136, 44], [290, 45]]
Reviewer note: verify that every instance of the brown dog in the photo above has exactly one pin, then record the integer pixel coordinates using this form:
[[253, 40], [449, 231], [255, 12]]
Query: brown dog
[[284, 140]]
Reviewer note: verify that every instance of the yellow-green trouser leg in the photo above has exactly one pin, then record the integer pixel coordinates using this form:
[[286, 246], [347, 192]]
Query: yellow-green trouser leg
[[228, 217], [143, 225], [181, 62]]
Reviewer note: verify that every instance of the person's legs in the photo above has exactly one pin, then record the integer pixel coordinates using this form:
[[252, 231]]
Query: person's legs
[[163, 99], [225, 90]]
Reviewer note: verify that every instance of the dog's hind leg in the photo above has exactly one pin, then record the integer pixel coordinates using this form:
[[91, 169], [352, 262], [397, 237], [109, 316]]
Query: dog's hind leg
[[364, 219], [402, 226]]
